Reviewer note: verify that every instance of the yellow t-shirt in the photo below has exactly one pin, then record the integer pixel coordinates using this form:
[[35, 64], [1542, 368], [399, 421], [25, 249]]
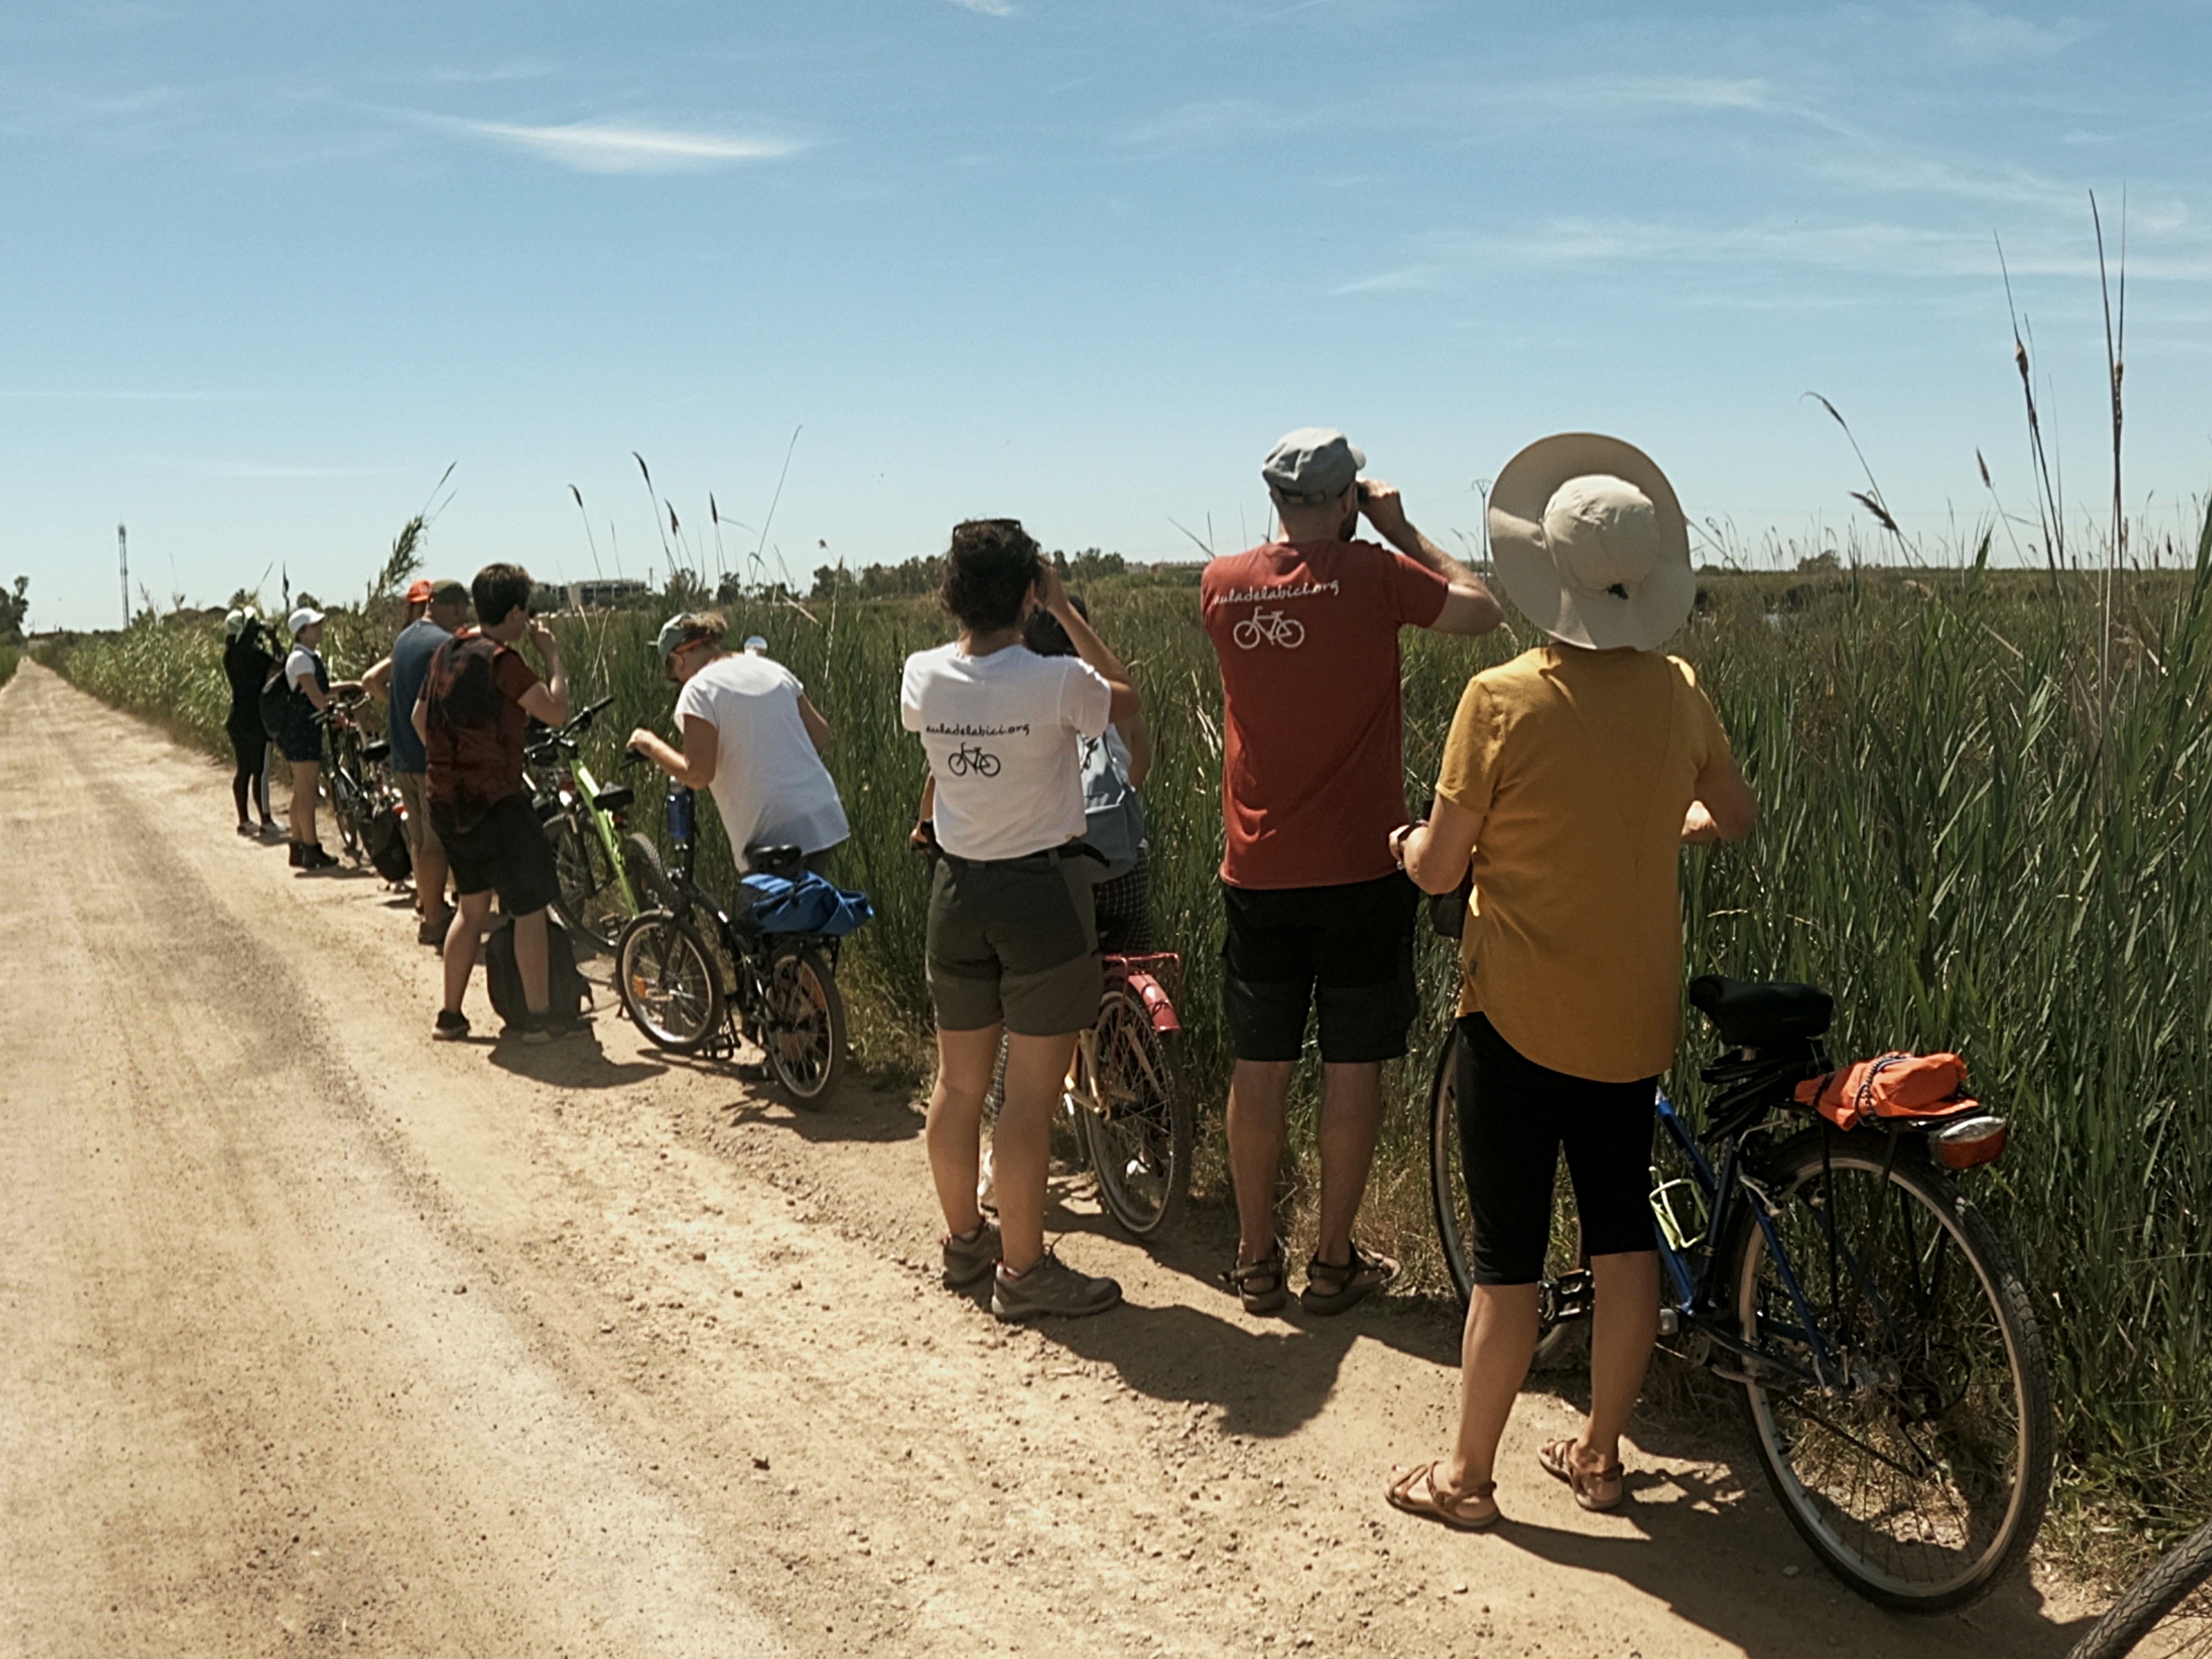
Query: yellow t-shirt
[[1580, 766]]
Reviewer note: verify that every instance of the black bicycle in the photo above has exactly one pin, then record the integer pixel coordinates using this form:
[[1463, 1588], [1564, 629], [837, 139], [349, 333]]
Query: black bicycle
[[777, 988], [365, 803], [1893, 1376], [2166, 1614]]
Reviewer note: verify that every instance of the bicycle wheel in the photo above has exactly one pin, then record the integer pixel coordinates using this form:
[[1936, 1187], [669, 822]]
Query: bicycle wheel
[[669, 984], [2166, 1614], [804, 1031], [648, 876], [588, 897], [347, 815], [1455, 1225], [1138, 1138], [1921, 1482]]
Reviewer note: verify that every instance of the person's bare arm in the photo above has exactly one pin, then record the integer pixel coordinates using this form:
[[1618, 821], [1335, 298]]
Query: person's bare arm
[[1470, 607], [1052, 593], [1436, 855], [818, 729], [1138, 736], [548, 700], [377, 682], [1725, 809], [693, 765], [924, 833], [421, 715]]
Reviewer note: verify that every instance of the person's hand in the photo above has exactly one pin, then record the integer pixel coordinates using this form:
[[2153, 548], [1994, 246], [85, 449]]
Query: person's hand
[[1383, 507], [923, 837], [1398, 839], [1051, 591], [1698, 825], [641, 744], [542, 637]]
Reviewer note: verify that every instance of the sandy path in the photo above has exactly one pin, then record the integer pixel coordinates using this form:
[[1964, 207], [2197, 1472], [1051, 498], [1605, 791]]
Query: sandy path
[[322, 1337]]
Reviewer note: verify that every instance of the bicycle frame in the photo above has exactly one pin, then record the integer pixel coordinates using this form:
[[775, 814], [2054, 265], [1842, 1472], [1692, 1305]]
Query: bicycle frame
[[1692, 1303]]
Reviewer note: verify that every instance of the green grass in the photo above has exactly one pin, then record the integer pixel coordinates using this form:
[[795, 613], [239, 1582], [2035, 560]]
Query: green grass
[[9, 656], [1971, 835]]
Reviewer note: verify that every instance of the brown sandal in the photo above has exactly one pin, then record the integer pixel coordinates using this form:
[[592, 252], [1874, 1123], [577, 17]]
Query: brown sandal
[[1558, 1457], [1437, 1504], [1259, 1286]]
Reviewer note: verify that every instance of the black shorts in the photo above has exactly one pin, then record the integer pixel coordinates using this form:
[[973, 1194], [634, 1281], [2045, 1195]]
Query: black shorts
[[504, 851], [302, 739], [1514, 1119], [1347, 950]]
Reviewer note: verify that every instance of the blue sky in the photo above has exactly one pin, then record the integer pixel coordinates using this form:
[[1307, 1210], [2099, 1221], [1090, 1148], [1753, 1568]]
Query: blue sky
[[272, 267]]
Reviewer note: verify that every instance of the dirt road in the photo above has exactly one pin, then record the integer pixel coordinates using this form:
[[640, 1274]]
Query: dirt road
[[321, 1337]]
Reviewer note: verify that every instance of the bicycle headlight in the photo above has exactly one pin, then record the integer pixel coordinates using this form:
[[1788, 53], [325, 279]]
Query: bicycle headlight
[[1971, 1142]]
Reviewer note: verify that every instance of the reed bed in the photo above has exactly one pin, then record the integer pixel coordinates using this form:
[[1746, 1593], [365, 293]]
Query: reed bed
[[1987, 826], [9, 656]]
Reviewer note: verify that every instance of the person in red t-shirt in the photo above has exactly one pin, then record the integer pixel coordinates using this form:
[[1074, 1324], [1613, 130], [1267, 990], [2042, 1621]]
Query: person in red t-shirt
[[472, 714], [1313, 785]]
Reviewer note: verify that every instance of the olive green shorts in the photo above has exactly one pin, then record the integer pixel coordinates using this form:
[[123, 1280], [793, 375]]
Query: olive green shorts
[[1014, 941]]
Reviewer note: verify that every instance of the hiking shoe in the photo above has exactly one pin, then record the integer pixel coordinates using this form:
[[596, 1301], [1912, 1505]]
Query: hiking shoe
[[311, 857], [967, 1260], [453, 1025], [1332, 1287], [298, 847], [1051, 1286], [1263, 1286]]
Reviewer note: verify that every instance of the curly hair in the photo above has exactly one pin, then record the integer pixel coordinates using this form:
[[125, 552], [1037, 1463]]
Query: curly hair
[[988, 571]]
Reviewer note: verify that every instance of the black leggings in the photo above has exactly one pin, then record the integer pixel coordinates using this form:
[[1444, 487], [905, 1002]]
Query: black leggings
[[1514, 1119], [251, 748]]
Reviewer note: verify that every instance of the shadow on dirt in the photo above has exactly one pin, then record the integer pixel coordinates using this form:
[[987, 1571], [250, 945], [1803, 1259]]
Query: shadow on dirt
[[574, 1062]]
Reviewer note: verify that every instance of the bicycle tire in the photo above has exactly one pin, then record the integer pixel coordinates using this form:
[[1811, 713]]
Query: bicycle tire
[[346, 814], [803, 1024], [1935, 1388], [2136, 1625], [1447, 1199], [648, 874], [668, 981], [586, 897], [1140, 1147]]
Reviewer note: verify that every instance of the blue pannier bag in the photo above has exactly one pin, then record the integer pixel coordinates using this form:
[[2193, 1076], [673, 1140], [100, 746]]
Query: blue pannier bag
[[806, 904]]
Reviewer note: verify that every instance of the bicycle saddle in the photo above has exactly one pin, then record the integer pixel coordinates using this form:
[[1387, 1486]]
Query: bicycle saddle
[[615, 798], [375, 751], [786, 861], [1755, 1016]]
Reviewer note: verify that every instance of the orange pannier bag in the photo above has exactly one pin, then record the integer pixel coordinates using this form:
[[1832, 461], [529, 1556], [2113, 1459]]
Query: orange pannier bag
[[1891, 1086]]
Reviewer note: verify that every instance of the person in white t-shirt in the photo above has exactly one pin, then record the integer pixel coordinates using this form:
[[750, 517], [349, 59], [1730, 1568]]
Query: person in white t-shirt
[[753, 737], [1011, 945]]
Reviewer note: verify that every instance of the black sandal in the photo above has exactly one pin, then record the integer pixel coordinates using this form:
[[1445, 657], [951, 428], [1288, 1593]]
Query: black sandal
[[1260, 1285], [1333, 1286]]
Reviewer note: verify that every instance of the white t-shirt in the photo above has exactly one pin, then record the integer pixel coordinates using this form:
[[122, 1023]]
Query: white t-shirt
[[769, 786], [1000, 733], [299, 667]]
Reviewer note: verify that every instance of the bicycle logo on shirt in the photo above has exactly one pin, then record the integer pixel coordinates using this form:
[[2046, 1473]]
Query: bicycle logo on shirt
[[972, 757], [1271, 628]]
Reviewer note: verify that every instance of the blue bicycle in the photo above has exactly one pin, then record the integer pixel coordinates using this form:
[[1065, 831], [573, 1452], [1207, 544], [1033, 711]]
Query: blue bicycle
[[1893, 1378]]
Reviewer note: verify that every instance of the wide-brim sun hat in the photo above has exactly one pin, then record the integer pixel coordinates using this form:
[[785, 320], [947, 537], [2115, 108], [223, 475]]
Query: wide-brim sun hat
[[305, 616], [1590, 545]]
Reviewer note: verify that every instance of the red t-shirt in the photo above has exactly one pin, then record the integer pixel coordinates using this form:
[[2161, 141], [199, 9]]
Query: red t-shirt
[[1312, 734], [474, 758]]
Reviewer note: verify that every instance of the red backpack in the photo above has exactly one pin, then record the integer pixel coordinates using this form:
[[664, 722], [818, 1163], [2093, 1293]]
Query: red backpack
[[1891, 1085]]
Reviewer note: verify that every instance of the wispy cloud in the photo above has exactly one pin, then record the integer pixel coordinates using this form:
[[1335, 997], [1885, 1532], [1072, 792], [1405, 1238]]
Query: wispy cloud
[[1981, 33], [596, 146]]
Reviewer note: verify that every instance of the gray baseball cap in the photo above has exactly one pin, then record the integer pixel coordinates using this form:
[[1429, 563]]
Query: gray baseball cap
[[1310, 466]]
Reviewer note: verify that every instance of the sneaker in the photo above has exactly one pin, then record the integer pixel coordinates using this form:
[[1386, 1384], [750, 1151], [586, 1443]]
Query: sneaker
[[1051, 1286], [271, 830], [1263, 1285], [433, 932], [549, 1028], [1332, 1288], [967, 1260], [249, 832], [453, 1025]]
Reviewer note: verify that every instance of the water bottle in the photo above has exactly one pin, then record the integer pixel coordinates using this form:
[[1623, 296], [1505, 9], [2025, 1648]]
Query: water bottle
[[679, 815]]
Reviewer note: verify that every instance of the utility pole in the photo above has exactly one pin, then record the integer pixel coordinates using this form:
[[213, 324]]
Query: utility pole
[[123, 557]]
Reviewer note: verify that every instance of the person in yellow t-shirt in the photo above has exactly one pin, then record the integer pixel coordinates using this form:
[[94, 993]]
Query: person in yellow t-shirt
[[1571, 776]]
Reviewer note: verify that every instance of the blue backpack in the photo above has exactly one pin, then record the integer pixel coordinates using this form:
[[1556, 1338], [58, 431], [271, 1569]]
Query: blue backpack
[[804, 903]]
